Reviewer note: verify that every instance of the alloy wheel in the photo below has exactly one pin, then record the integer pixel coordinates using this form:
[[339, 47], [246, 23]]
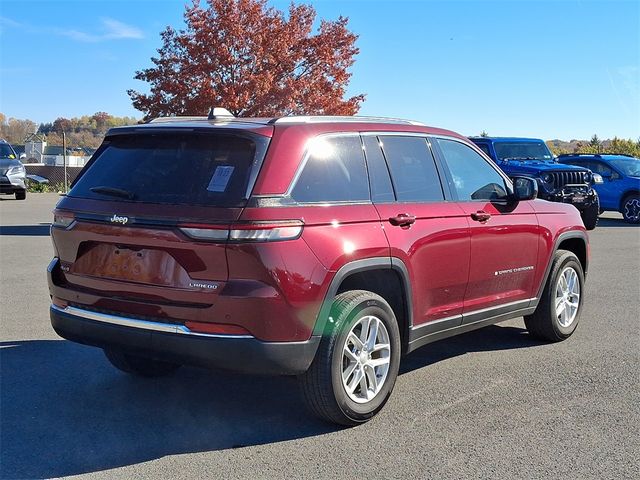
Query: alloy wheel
[[366, 356], [632, 210], [567, 297]]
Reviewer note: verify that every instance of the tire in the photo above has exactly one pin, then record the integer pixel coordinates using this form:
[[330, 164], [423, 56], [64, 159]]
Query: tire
[[631, 208], [590, 215], [322, 385], [140, 366], [545, 323], [21, 194]]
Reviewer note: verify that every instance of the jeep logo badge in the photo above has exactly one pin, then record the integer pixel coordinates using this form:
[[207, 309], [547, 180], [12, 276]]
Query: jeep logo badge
[[117, 219]]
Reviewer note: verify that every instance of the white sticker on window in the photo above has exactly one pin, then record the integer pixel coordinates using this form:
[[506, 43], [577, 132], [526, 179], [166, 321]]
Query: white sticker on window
[[220, 178]]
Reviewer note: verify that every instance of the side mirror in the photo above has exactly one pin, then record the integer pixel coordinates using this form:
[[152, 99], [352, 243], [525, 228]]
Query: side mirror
[[614, 176], [525, 188], [23, 156]]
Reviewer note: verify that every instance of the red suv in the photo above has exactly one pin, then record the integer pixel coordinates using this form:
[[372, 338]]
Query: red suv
[[323, 247]]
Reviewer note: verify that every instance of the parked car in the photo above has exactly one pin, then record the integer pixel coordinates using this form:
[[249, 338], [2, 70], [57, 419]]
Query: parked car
[[322, 247], [556, 182], [12, 173], [620, 190]]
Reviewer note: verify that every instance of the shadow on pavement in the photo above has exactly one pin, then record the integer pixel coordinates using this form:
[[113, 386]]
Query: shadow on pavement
[[66, 411], [41, 230], [614, 222], [492, 338]]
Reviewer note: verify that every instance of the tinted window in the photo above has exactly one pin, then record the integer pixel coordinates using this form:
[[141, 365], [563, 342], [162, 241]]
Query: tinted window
[[484, 147], [629, 166], [522, 151], [334, 172], [381, 189], [202, 169], [599, 168], [413, 170], [473, 177], [6, 151]]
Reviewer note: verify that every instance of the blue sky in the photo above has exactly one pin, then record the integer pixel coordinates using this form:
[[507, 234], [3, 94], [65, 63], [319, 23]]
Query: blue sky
[[550, 69]]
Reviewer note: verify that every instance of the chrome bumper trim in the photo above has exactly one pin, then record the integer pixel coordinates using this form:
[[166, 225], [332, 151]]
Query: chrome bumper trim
[[135, 323]]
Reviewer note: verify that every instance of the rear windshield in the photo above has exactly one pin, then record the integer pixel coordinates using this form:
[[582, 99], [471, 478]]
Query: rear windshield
[[174, 168]]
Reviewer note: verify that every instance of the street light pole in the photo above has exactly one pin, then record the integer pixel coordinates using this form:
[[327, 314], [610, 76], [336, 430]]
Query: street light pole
[[64, 159]]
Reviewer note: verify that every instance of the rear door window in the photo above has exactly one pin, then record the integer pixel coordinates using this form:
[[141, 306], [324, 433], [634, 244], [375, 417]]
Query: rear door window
[[413, 170], [174, 168], [334, 172], [381, 188]]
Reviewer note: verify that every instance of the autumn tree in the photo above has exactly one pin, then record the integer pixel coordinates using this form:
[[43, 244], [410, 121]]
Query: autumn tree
[[62, 124], [101, 119], [14, 130], [252, 60]]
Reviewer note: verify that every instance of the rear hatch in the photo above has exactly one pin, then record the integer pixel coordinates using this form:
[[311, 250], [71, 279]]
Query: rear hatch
[[145, 225]]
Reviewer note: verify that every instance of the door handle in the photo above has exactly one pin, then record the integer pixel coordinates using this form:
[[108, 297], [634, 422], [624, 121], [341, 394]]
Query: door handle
[[481, 216], [402, 220]]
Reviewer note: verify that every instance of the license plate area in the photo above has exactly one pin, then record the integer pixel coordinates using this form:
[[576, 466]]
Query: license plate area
[[131, 264]]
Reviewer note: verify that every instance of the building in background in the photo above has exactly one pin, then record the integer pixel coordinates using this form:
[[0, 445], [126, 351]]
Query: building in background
[[37, 151]]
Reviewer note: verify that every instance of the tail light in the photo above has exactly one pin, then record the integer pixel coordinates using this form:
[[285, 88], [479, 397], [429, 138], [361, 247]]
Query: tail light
[[62, 219], [250, 232]]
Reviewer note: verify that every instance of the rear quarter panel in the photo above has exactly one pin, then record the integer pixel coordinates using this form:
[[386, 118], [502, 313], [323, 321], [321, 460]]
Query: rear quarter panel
[[297, 273]]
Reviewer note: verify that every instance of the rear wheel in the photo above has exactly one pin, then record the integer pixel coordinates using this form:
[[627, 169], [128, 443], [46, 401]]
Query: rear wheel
[[141, 366], [357, 362], [631, 208], [21, 194], [590, 215], [558, 312]]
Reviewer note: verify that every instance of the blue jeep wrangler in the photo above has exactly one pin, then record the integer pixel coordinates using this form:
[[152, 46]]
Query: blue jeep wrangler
[[556, 182]]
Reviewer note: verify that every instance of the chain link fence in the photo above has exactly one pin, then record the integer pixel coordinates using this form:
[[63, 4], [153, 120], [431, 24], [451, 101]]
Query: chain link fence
[[53, 173]]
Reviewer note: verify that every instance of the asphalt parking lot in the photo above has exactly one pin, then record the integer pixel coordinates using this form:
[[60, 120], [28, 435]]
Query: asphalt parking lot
[[489, 404]]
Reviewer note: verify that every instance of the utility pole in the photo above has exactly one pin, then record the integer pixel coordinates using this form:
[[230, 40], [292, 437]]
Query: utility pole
[[64, 159]]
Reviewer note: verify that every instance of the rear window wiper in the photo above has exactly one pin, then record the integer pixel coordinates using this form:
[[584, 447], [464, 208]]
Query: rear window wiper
[[113, 191]]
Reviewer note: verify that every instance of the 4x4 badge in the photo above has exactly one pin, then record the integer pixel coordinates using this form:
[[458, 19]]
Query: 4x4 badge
[[117, 219]]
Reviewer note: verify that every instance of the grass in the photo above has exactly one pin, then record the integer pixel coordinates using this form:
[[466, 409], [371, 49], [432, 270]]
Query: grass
[[34, 187]]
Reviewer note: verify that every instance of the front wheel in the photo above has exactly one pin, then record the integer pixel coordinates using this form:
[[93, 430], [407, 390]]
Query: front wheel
[[631, 209], [590, 215], [21, 194], [558, 312], [355, 368]]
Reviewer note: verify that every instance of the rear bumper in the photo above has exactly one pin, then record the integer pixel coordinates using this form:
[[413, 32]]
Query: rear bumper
[[176, 343]]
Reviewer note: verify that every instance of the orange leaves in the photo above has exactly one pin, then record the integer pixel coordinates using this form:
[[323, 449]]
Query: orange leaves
[[253, 60]]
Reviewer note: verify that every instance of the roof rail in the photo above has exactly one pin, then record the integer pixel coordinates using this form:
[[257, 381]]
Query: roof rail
[[338, 118], [174, 119], [599, 155]]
